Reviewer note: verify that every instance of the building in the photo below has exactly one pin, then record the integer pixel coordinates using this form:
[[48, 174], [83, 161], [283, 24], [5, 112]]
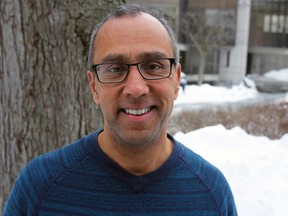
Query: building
[[214, 43], [249, 36], [268, 39]]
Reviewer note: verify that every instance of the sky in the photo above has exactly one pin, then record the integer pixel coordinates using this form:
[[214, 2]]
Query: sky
[[256, 167]]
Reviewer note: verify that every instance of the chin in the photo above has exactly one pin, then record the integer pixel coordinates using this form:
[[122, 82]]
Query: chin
[[138, 139]]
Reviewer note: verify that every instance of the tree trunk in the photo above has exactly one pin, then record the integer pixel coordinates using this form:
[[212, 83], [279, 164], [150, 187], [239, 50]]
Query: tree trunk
[[44, 93]]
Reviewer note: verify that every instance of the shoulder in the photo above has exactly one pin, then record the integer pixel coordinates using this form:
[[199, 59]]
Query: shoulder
[[52, 164], [37, 177], [211, 177], [195, 163]]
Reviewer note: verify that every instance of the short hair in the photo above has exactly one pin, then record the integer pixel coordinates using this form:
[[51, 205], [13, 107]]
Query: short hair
[[133, 10]]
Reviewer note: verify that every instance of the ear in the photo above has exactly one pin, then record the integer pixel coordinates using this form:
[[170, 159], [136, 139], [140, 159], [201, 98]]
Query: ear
[[177, 83], [93, 87]]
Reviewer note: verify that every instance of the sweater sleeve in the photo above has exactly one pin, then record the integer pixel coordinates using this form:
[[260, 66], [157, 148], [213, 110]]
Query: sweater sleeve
[[214, 180], [19, 201], [222, 194], [28, 188], [36, 178]]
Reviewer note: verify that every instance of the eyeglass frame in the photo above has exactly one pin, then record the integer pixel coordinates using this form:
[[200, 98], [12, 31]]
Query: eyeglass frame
[[172, 62]]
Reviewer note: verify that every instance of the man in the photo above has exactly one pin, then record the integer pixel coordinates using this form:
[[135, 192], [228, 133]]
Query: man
[[132, 166]]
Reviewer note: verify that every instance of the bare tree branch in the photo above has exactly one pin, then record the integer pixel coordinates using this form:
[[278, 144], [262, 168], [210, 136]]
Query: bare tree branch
[[204, 33]]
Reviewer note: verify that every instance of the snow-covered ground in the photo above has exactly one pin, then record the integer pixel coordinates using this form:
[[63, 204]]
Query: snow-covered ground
[[255, 167], [208, 94]]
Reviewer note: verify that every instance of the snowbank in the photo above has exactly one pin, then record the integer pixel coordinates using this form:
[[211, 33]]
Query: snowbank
[[215, 94], [255, 167]]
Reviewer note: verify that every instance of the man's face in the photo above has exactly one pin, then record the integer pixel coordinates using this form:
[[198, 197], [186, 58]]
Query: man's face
[[135, 111]]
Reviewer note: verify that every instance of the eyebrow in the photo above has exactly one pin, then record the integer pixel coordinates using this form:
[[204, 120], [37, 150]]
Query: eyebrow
[[151, 55], [140, 57]]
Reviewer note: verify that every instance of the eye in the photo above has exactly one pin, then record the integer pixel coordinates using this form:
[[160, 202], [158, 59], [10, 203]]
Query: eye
[[152, 66], [116, 68]]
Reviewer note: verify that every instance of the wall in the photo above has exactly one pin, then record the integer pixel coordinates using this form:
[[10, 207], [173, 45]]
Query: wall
[[266, 59], [236, 70]]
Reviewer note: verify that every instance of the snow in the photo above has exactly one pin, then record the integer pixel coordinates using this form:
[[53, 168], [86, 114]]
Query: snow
[[255, 167], [206, 93]]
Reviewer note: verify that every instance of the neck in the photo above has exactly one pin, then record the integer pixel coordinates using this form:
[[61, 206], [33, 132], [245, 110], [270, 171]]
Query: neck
[[138, 162]]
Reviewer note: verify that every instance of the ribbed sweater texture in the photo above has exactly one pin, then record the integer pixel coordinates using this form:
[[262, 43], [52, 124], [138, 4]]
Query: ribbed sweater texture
[[79, 179]]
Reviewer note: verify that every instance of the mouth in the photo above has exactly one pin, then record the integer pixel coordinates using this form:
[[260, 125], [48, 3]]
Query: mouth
[[138, 112]]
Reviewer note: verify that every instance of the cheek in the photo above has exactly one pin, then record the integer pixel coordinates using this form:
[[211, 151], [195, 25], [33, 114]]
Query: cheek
[[101, 98], [176, 92], [103, 94], [96, 96], [107, 98], [174, 88], [167, 92]]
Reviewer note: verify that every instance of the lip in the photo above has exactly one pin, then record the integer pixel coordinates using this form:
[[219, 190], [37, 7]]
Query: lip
[[138, 112]]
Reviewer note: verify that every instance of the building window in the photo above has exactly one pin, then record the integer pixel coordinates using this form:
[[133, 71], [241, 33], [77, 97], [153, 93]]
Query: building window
[[275, 24], [228, 59], [269, 23]]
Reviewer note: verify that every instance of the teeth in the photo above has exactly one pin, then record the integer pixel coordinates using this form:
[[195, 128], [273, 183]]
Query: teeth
[[137, 111]]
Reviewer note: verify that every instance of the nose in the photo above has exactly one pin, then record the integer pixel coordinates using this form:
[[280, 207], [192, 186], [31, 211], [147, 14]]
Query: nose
[[135, 85]]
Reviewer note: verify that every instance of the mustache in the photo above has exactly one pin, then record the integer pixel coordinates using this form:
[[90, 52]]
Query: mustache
[[135, 101]]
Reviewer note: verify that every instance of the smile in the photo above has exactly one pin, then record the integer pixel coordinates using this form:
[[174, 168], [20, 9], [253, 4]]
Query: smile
[[138, 112]]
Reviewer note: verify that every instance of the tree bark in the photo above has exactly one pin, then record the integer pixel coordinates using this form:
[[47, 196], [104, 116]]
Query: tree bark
[[44, 93]]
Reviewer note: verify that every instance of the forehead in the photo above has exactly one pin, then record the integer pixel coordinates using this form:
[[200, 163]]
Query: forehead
[[132, 37]]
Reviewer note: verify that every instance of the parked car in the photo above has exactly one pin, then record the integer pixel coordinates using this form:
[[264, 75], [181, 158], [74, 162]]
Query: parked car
[[183, 81], [268, 84]]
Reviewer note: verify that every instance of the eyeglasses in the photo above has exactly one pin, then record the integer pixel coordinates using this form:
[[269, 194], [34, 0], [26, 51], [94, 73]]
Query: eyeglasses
[[118, 72]]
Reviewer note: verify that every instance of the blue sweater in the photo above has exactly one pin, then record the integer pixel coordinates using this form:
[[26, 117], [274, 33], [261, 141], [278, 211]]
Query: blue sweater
[[80, 179]]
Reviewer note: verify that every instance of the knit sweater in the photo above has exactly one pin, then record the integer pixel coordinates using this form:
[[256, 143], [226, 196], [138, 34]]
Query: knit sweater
[[80, 179]]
